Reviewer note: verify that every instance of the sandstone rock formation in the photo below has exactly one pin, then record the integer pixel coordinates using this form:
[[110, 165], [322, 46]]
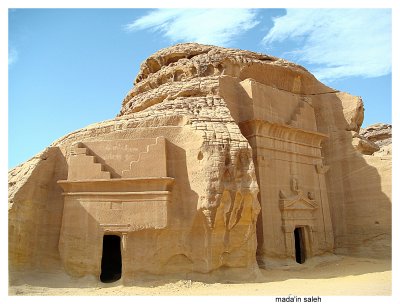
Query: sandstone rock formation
[[218, 159], [381, 135]]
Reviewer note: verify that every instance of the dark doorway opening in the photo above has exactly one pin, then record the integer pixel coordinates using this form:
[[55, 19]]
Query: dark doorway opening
[[299, 245], [111, 262], [260, 240]]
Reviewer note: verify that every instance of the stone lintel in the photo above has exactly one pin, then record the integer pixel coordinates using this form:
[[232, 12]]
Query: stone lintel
[[120, 185], [283, 132]]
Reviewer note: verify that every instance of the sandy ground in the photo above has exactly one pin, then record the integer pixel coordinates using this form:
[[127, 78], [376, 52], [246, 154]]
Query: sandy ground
[[342, 276]]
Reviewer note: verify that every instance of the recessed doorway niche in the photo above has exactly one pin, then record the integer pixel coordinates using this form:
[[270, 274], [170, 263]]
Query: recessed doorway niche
[[111, 261], [299, 245]]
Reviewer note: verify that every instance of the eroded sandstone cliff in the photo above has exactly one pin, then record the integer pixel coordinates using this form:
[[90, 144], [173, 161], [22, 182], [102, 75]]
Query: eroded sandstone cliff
[[381, 135], [186, 125]]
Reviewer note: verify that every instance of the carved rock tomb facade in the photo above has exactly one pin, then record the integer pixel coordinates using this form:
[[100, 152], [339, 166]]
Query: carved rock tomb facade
[[219, 159]]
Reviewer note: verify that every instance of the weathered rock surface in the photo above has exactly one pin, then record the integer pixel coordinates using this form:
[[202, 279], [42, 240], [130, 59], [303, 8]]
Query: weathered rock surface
[[381, 135], [218, 158], [364, 145]]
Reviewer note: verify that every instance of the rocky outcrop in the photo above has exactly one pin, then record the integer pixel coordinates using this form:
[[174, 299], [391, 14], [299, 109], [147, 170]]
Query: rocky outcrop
[[217, 159], [364, 145], [381, 135], [193, 70]]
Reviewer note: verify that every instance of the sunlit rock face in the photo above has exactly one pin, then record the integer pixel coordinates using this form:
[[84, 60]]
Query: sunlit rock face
[[220, 159], [381, 135]]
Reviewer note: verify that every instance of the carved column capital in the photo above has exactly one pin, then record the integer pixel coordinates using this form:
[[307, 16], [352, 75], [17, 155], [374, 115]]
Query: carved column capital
[[321, 169]]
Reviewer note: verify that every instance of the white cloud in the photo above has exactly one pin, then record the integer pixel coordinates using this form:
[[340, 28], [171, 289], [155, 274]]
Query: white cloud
[[12, 56], [209, 26], [337, 43]]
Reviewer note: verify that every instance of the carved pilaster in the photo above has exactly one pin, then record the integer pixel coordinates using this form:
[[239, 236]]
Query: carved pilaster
[[297, 210]]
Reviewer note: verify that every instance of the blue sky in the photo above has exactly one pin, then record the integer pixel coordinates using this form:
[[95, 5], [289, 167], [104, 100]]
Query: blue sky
[[68, 68]]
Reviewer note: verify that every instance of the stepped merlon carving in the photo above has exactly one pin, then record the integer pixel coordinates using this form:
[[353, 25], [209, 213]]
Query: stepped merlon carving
[[83, 165], [146, 164]]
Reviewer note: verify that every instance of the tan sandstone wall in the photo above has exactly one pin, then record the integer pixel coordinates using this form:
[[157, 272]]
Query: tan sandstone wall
[[35, 211], [359, 185]]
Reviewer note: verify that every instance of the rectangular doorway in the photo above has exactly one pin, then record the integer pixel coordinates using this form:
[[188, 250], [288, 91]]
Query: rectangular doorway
[[111, 261], [299, 245]]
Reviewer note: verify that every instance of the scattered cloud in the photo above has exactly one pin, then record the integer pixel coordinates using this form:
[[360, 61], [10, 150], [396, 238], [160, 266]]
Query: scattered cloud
[[12, 56], [209, 26], [336, 43]]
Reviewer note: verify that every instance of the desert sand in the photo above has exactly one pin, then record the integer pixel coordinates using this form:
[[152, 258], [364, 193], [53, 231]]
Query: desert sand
[[339, 276]]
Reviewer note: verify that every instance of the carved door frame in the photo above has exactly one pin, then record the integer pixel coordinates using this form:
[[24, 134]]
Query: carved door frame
[[120, 230], [290, 208]]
